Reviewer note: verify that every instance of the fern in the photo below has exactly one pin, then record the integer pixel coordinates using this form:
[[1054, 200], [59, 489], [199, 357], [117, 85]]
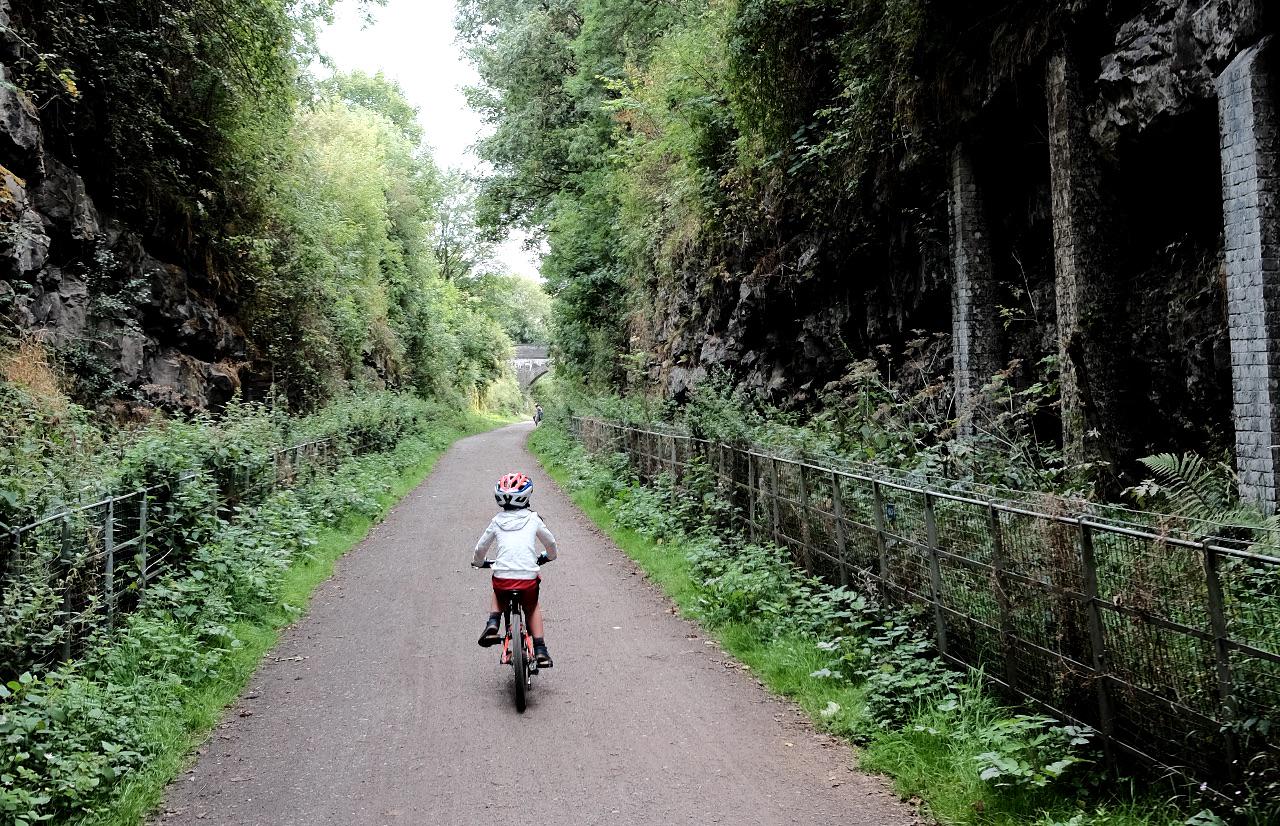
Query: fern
[[1193, 487], [1199, 489]]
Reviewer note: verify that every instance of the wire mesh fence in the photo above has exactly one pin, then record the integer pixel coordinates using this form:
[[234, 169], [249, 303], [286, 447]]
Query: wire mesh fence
[[73, 573], [1164, 639]]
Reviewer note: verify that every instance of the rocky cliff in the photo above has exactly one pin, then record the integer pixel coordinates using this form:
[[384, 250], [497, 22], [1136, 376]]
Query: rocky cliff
[[76, 278], [793, 305]]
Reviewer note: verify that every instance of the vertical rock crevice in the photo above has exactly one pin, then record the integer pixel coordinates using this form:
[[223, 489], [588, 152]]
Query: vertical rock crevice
[[975, 346], [1088, 290]]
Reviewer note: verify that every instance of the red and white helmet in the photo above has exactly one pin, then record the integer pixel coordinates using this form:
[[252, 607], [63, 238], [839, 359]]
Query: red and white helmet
[[513, 491]]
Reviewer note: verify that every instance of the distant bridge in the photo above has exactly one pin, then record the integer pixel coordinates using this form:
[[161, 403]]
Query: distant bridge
[[530, 363]]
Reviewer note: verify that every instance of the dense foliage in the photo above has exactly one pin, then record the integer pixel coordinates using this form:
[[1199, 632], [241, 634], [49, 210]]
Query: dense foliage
[[862, 669], [690, 143], [313, 209], [73, 732]]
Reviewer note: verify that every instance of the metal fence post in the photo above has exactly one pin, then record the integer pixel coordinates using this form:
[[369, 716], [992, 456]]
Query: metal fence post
[[773, 496], [882, 545], [1097, 642], [805, 533], [751, 494], [935, 573], [142, 545], [837, 512], [15, 536], [64, 556], [109, 571], [1221, 653]]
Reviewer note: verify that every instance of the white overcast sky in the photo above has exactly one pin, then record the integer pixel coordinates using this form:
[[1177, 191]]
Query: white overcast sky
[[412, 41]]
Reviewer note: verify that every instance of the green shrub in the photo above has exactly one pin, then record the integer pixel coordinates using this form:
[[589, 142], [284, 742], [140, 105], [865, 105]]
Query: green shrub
[[877, 676], [69, 734]]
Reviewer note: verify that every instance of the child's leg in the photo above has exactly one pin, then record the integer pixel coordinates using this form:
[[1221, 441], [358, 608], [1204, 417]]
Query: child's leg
[[535, 622], [489, 636]]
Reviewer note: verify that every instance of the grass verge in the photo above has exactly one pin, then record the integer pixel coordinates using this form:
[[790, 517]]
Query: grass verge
[[933, 757], [202, 705]]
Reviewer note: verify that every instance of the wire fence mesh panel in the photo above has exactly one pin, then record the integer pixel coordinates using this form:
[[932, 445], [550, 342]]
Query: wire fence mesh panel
[[76, 571], [825, 537], [1251, 598], [858, 513], [905, 537], [1168, 645]]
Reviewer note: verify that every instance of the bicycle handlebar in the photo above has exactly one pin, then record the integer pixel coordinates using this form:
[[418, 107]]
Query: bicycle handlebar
[[543, 559]]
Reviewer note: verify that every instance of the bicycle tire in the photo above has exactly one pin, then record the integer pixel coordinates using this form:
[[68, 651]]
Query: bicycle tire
[[519, 659]]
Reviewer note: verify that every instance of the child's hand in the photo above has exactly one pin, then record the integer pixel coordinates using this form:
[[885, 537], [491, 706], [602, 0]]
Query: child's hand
[[488, 563]]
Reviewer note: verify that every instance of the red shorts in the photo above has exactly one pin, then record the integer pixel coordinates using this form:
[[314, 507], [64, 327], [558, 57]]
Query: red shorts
[[526, 588]]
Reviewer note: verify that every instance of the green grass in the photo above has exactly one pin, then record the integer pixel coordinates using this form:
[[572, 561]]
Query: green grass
[[202, 707], [931, 759]]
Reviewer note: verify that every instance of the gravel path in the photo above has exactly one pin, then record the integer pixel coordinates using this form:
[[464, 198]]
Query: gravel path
[[379, 708]]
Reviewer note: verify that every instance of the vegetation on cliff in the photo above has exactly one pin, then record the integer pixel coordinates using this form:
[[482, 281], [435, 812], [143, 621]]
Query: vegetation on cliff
[[692, 141], [336, 288], [311, 213], [760, 187]]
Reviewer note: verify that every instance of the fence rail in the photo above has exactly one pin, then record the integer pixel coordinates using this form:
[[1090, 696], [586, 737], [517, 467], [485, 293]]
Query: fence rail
[[1165, 642], [84, 566]]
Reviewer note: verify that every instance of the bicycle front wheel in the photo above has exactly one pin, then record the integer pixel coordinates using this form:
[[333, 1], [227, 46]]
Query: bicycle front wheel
[[519, 660]]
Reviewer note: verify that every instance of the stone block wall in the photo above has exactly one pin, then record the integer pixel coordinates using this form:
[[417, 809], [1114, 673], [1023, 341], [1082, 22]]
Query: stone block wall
[[1251, 217]]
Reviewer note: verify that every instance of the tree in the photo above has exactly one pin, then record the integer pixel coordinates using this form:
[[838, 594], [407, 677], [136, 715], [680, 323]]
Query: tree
[[519, 305], [461, 245]]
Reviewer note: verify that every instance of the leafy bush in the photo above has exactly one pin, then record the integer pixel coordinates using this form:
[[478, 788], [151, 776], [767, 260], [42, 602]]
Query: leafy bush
[[906, 692], [1028, 750], [69, 734]]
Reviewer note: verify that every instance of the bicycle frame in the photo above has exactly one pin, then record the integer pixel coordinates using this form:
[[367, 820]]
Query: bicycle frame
[[518, 655]]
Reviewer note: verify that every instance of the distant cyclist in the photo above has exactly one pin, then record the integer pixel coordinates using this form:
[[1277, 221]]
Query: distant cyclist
[[537, 415], [516, 531]]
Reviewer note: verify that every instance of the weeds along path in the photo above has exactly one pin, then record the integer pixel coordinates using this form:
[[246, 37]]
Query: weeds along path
[[379, 708]]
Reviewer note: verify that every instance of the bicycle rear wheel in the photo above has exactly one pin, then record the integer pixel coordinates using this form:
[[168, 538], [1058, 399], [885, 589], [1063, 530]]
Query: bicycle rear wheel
[[519, 658]]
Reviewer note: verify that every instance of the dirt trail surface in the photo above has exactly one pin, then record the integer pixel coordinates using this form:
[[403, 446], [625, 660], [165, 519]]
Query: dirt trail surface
[[378, 707]]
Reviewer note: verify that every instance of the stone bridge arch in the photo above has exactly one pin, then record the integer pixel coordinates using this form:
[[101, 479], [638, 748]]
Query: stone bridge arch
[[530, 363]]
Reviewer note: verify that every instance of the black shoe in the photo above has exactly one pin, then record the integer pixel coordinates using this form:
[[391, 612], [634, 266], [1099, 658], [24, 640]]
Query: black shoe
[[541, 655], [490, 635]]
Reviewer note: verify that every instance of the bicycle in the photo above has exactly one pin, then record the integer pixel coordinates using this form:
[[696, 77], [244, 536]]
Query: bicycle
[[520, 657]]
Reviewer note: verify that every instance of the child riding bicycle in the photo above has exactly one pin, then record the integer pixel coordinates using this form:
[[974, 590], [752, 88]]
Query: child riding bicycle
[[516, 532]]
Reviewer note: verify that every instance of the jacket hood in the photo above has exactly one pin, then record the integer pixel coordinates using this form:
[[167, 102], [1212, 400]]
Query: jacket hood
[[513, 520]]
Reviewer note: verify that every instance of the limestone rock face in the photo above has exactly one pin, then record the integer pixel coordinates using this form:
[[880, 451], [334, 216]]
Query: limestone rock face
[[88, 288], [64, 203], [1166, 59], [21, 141], [784, 315], [24, 247]]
